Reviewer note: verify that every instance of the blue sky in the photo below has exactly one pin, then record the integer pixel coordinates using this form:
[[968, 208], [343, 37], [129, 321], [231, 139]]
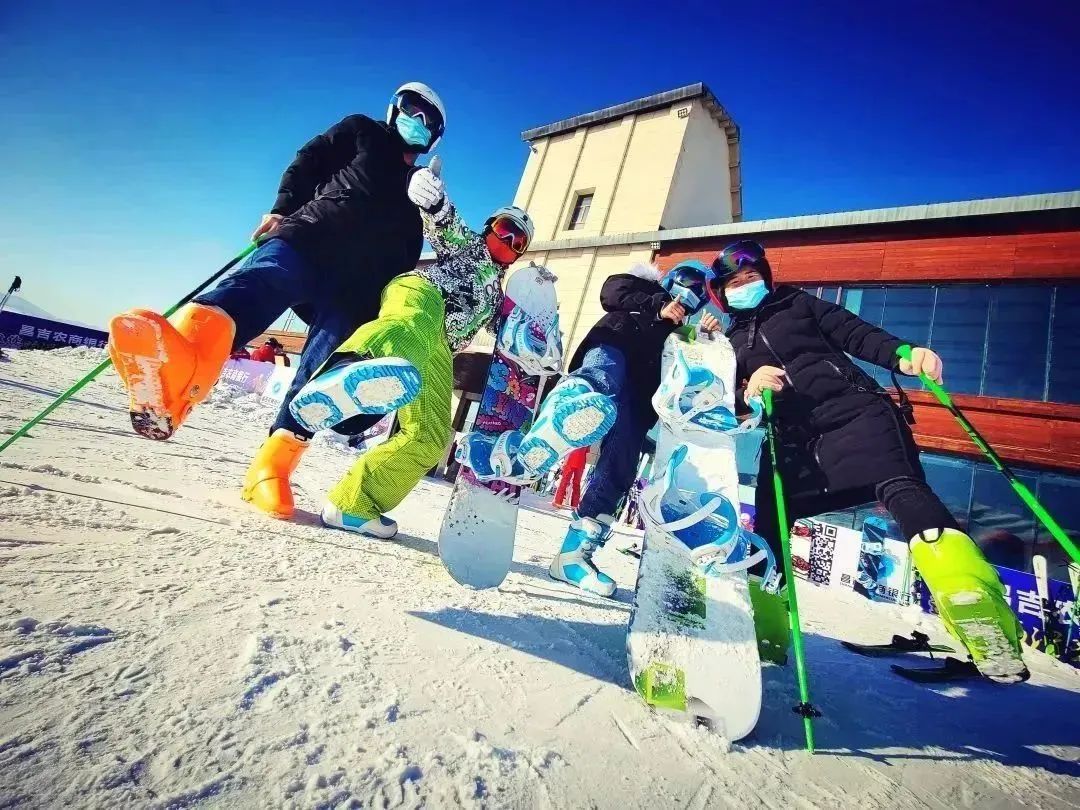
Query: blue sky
[[140, 142]]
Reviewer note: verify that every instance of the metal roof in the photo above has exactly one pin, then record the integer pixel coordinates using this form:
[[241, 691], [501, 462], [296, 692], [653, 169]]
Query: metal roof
[[875, 216], [653, 102]]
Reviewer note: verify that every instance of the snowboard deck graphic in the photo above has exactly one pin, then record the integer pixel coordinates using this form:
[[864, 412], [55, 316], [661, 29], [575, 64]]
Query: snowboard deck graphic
[[691, 644], [476, 540]]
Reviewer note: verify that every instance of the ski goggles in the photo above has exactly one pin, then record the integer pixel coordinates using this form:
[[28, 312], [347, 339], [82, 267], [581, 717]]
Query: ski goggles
[[732, 258], [416, 106], [687, 283], [508, 231]]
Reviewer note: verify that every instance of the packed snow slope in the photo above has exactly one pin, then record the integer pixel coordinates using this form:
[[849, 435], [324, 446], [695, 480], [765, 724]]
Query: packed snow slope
[[164, 645]]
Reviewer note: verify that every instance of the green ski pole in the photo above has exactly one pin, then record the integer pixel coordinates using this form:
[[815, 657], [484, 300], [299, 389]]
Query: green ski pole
[[1021, 489], [805, 709], [64, 397]]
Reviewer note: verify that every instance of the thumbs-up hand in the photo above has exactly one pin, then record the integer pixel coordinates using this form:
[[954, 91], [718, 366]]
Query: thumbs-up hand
[[427, 190]]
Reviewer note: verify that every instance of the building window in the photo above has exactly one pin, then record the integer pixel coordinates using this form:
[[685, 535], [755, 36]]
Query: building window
[[908, 313], [1017, 342], [1012, 340], [1064, 382], [581, 211], [960, 321]]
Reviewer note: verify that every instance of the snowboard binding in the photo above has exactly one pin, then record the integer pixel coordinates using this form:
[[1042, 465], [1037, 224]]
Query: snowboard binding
[[493, 457], [537, 349], [690, 401], [706, 524]]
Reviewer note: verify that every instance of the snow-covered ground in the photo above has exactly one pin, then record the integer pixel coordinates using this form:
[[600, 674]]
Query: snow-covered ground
[[162, 644]]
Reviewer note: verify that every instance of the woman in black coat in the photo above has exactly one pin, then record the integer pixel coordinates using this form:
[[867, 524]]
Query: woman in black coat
[[841, 439]]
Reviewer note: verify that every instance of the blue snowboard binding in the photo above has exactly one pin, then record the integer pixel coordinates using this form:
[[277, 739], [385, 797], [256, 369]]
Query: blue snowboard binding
[[690, 400], [492, 457], [537, 350], [706, 524], [573, 415], [371, 386]]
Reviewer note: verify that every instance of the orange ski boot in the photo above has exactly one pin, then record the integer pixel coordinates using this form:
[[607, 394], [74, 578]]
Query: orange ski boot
[[266, 484], [169, 366]]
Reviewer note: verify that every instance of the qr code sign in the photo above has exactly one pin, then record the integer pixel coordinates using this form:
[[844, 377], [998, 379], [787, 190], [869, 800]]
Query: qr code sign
[[822, 551]]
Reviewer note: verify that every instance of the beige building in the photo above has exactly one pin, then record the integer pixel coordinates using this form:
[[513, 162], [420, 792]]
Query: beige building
[[663, 162]]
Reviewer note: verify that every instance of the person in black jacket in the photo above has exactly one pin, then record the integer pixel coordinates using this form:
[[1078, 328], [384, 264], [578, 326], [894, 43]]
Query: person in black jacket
[[843, 442], [613, 375], [341, 228]]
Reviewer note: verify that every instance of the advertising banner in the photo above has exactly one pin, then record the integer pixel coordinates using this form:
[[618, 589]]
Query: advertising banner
[[18, 331]]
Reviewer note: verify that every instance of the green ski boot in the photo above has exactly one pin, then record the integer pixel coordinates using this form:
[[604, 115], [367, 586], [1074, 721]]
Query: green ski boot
[[970, 600], [770, 622]]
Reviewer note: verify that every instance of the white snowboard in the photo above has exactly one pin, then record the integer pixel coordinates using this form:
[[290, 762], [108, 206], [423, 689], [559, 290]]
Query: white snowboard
[[476, 541], [691, 644]]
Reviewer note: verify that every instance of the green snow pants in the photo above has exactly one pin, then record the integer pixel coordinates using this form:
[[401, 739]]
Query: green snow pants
[[410, 325]]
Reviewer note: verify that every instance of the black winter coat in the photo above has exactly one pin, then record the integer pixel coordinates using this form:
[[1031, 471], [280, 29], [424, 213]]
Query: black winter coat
[[346, 207], [838, 430], [633, 325]]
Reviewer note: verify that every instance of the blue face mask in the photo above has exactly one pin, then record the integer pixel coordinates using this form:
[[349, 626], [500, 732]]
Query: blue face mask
[[412, 131], [747, 296], [687, 297]]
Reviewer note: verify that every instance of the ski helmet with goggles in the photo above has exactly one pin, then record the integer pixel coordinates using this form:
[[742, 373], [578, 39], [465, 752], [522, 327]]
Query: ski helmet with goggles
[[519, 234], [732, 259], [688, 284], [425, 111]]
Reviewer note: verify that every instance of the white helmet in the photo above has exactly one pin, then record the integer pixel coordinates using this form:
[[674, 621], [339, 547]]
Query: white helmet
[[429, 96], [516, 214]]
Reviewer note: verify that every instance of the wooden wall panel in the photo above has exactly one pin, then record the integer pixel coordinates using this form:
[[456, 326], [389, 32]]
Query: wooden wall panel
[[1047, 255], [969, 258], [830, 264], [824, 257], [1024, 433]]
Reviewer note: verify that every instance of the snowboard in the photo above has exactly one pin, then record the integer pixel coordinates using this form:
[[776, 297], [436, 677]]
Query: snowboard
[[476, 540], [691, 644]]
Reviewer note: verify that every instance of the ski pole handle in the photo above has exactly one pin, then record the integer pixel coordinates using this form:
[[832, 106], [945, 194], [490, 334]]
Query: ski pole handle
[[943, 396]]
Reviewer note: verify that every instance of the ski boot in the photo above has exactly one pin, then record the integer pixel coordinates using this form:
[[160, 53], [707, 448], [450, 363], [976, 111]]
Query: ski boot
[[690, 401], [168, 366], [493, 457], [379, 527], [573, 564], [372, 385], [770, 620], [266, 484], [538, 350], [970, 600], [573, 415]]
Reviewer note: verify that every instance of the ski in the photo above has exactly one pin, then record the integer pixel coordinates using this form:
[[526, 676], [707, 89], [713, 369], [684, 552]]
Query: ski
[[900, 645], [1042, 585], [952, 670], [1074, 614]]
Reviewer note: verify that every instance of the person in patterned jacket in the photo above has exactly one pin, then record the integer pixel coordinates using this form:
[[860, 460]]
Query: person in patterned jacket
[[425, 317]]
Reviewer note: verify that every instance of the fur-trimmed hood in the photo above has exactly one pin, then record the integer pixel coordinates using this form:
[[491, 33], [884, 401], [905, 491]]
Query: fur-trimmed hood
[[648, 272]]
